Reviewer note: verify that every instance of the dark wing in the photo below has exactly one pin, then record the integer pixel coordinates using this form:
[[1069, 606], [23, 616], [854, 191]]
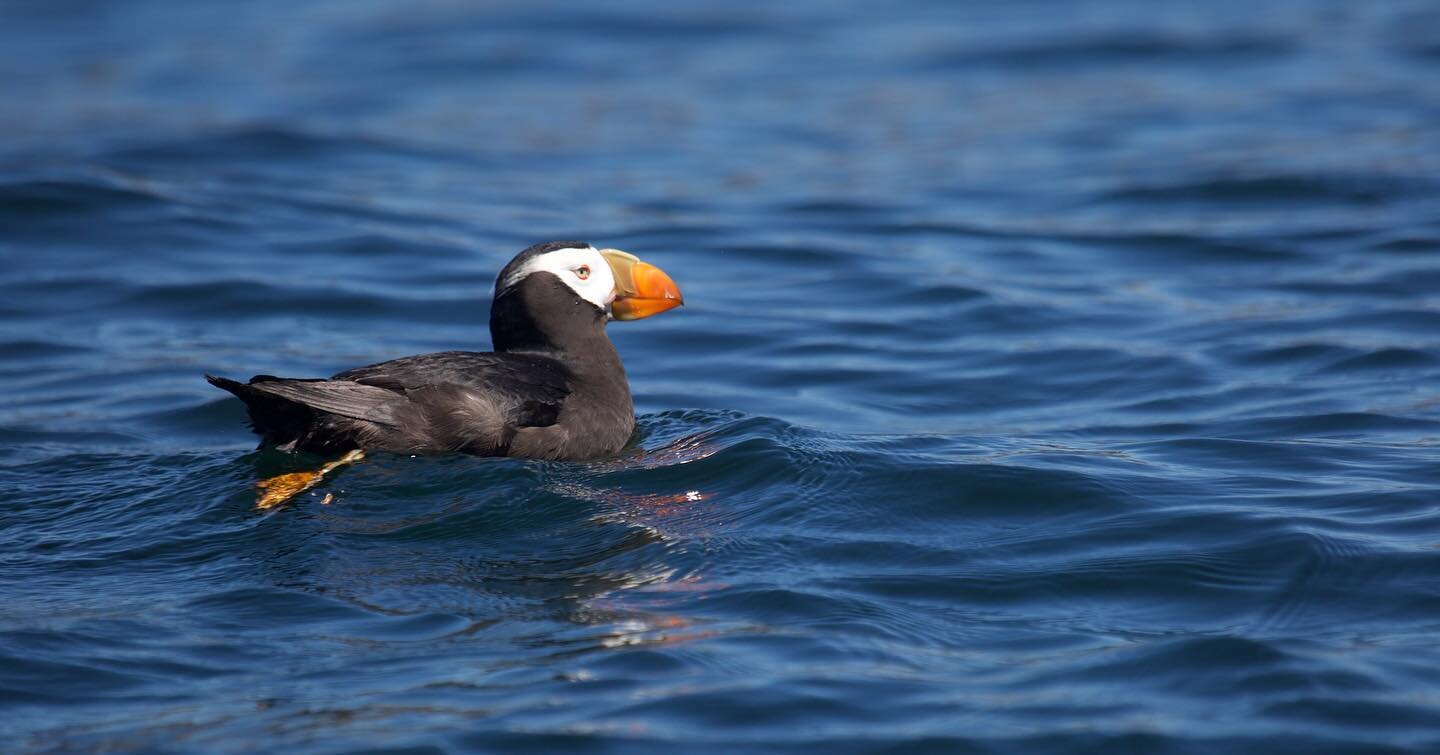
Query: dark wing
[[339, 397], [454, 400], [530, 387], [315, 415]]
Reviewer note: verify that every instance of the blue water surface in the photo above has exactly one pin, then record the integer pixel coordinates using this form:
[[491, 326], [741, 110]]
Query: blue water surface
[[1053, 377]]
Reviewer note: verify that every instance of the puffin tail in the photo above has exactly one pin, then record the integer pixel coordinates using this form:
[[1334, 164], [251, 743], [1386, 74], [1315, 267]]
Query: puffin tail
[[242, 391], [274, 419], [233, 386]]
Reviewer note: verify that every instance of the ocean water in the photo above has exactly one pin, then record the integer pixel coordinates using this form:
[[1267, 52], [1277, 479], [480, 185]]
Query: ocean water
[[1053, 377]]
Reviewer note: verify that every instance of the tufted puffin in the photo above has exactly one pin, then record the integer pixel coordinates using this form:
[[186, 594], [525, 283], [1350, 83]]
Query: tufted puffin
[[553, 388]]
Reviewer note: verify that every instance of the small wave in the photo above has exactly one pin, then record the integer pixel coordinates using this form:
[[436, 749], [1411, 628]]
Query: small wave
[[1119, 47], [1407, 244], [270, 142], [1306, 353], [260, 299], [40, 350], [30, 201], [1278, 189], [1386, 359], [788, 255], [377, 246], [198, 421]]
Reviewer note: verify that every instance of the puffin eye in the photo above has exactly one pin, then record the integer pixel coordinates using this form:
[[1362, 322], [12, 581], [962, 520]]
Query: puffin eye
[[582, 272]]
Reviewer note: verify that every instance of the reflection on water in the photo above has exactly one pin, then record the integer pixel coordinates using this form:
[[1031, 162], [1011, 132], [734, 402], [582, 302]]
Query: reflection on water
[[450, 561]]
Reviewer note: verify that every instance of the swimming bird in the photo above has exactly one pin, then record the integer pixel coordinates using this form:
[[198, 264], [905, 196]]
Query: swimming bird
[[553, 388]]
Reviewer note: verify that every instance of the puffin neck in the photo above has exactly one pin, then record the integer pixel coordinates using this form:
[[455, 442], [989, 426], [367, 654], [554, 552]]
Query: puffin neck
[[542, 314]]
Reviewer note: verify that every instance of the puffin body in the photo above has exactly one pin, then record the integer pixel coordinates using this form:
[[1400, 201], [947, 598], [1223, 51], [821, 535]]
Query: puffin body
[[553, 388]]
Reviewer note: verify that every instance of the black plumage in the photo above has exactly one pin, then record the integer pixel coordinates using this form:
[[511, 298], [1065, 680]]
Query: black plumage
[[554, 388]]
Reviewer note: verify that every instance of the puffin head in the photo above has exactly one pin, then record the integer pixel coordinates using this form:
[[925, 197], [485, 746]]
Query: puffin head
[[555, 292]]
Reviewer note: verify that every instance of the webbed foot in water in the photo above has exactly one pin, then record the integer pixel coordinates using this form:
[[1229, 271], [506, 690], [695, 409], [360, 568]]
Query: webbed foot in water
[[276, 490]]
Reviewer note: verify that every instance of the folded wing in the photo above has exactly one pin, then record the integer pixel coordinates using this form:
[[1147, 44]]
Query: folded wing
[[471, 401]]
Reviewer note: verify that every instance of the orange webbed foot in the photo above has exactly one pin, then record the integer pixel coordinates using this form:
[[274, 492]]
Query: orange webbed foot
[[276, 490]]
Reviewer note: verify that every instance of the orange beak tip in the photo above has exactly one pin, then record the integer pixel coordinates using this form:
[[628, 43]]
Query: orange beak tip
[[654, 292]]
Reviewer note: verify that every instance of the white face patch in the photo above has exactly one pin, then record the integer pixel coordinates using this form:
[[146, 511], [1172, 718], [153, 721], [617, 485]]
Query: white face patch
[[583, 270]]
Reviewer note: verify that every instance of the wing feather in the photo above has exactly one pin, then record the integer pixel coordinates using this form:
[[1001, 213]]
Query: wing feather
[[340, 397], [532, 387]]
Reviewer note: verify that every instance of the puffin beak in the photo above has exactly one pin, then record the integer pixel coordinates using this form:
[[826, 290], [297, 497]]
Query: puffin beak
[[641, 289]]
